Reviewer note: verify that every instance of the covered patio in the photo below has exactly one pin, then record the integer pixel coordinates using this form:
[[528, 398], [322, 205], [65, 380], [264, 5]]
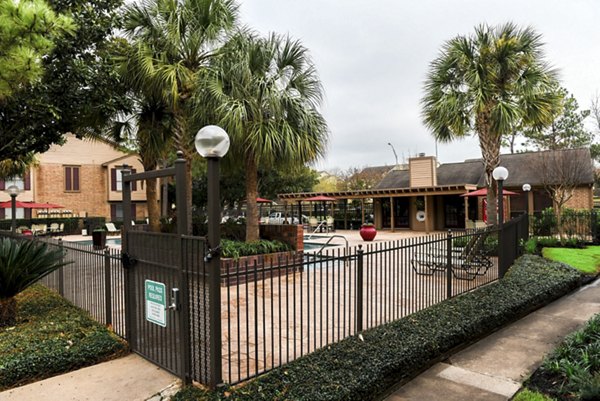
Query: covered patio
[[424, 209]]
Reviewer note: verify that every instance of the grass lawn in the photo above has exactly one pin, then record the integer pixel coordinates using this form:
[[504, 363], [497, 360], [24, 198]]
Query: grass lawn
[[586, 260], [51, 336]]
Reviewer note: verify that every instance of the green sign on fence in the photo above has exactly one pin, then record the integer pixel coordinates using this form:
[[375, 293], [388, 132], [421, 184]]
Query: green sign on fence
[[156, 303]]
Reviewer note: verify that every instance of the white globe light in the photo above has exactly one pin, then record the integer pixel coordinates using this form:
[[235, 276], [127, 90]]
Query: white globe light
[[526, 187], [212, 141], [500, 173], [13, 190]]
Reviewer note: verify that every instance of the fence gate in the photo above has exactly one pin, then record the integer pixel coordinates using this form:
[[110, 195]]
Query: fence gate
[[165, 285]]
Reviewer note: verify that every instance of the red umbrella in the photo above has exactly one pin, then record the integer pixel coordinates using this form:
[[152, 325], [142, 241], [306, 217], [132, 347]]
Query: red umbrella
[[29, 205], [320, 198], [263, 200], [483, 192]]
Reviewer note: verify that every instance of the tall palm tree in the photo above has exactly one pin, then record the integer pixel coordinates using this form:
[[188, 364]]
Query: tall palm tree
[[172, 43], [148, 129], [488, 84], [266, 94]]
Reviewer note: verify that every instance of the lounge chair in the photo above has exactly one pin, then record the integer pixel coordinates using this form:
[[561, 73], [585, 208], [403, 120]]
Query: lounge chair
[[330, 224], [312, 223], [39, 229], [111, 229], [54, 228], [466, 263]]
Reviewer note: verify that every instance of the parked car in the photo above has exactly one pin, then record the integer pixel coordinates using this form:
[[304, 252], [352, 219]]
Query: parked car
[[278, 218]]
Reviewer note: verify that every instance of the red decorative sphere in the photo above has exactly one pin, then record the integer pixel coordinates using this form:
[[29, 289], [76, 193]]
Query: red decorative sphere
[[368, 233]]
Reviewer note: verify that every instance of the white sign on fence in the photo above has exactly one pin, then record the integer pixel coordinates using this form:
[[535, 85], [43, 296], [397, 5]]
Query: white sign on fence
[[156, 302]]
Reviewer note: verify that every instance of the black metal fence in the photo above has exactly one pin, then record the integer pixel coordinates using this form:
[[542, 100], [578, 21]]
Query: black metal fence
[[274, 311], [581, 225], [92, 280], [278, 310]]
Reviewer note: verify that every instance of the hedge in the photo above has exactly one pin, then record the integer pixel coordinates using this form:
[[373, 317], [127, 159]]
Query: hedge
[[51, 336], [365, 368]]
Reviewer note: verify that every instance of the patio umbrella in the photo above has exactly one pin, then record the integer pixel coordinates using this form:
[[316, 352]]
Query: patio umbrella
[[321, 198], [29, 205], [483, 192], [261, 201]]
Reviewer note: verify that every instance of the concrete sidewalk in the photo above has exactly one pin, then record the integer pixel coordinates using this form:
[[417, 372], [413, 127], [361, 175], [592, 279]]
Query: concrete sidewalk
[[494, 368], [130, 378]]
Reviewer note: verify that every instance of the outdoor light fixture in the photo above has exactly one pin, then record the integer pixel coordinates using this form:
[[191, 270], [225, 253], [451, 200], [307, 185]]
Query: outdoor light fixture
[[13, 191], [500, 174], [212, 141], [526, 189]]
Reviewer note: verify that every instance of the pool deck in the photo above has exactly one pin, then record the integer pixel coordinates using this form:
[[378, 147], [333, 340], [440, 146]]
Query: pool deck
[[354, 239]]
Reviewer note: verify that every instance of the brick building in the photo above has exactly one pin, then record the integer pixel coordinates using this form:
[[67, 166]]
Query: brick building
[[426, 196], [84, 177]]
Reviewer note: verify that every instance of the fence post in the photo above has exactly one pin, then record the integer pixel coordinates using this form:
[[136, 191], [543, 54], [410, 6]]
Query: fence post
[[107, 287], [594, 227], [359, 289], [501, 253], [449, 265], [61, 272], [182, 229]]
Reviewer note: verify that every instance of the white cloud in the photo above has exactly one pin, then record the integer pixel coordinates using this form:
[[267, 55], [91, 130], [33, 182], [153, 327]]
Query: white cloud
[[372, 57]]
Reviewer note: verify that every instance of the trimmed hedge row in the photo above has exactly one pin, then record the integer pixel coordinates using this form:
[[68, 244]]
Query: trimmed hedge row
[[364, 369], [51, 336]]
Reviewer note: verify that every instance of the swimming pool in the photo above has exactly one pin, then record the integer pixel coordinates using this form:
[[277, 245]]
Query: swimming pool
[[109, 241]]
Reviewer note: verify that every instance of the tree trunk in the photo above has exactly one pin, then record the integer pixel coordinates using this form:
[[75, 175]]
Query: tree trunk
[[8, 311], [252, 230], [489, 144], [152, 204]]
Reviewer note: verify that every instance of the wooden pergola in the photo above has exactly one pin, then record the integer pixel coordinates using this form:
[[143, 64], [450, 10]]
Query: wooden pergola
[[391, 193]]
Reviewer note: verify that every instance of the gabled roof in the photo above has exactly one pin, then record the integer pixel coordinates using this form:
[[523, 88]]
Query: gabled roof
[[523, 168], [118, 159]]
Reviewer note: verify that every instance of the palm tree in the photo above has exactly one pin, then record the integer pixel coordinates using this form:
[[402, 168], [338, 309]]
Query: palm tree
[[489, 84], [266, 94], [147, 127], [172, 43], [22, 263]]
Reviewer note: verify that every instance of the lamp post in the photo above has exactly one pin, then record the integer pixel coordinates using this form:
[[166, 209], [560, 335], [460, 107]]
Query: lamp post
[[212, 142], [394, 150], [526, 189], [13, 191], [500, 174]]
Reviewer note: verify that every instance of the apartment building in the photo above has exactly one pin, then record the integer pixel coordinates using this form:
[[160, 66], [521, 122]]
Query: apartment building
[[84, 177]]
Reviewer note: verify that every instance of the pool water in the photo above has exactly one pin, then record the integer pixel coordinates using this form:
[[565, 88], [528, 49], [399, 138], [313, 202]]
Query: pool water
[[109, 241], [310, 246]]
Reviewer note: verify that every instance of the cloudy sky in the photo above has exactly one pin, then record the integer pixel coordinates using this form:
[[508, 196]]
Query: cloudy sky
[[372, 57]]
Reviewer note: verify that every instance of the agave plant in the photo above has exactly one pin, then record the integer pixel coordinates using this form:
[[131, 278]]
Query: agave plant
[[21, 265]]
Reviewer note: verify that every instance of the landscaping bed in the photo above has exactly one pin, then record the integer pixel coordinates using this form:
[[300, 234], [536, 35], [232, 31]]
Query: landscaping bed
[[572, 370], [51, 336], [364, 367]]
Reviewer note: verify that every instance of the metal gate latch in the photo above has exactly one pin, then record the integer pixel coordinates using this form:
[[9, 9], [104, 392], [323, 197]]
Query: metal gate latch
[[174, 299]]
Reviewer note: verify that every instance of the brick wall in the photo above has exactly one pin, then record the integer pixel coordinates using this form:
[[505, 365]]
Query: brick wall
[[582, 199], [91, 198], [291, 234]]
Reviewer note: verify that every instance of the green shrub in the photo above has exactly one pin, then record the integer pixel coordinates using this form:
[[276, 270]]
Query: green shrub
[[573, 368], [544, 224], [364, 368], [235, 249], [51, 336]]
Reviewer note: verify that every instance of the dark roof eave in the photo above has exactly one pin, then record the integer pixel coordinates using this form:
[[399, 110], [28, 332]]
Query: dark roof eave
[[368, 193]]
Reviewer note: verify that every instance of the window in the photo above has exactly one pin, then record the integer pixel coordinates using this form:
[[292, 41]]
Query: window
[[116, 211], [23, 183], [71, 178], [116, 179]]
